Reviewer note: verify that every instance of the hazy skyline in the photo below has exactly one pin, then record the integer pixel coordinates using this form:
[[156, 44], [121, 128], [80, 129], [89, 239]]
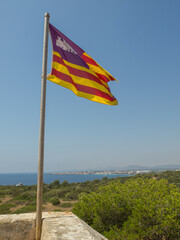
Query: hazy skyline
[[138, 42]]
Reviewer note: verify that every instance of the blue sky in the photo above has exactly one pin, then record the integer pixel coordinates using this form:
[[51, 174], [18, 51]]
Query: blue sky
[[138, 42]]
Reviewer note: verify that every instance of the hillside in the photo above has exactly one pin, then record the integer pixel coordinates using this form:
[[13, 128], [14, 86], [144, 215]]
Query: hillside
[[62, 196]]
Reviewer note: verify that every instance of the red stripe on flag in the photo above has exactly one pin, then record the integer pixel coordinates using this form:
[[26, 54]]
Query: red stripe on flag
[[103, 77], [81, 88], [62, 76], [81, 73], [89, 60], [58, 59]]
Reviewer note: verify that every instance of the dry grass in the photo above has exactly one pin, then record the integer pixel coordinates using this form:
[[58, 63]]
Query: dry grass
[[48, 207], [5, 199]]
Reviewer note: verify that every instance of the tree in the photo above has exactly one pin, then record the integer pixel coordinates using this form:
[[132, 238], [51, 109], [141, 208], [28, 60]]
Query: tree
[[54, 200], [142, 209]]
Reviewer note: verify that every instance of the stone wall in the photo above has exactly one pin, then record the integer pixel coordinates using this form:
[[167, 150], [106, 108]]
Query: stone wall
[[56, 225]]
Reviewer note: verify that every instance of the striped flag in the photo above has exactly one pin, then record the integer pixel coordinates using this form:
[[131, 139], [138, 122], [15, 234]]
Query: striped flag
[[74, 69]]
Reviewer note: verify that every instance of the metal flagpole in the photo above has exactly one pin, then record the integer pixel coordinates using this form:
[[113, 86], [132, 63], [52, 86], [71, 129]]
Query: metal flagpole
[[41, 130]]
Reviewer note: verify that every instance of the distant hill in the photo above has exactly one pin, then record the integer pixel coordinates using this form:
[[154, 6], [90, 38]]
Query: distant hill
[[127, 168], [158, 167], [136, 167], [167, 167]]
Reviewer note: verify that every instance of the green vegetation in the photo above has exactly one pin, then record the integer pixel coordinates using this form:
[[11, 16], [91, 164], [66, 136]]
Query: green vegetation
[[138, 209], [54, 200], [66, 205], [170, 176], [141, 207], [5, 208], [22, 199], [25, 209]]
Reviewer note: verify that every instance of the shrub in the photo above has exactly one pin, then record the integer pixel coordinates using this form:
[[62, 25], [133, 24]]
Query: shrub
[[96, 181], [25, 197], [140, 209], [18, 191], [55, 193], [50, 194], [55, 184], [104, 178], [71, 196], [78, 189], [5, 208], [65, 183], [61, 192], [54, 200], [5, 192]]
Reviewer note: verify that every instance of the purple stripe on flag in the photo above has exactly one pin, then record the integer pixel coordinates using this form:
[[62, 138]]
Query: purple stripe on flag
[[68, 50]]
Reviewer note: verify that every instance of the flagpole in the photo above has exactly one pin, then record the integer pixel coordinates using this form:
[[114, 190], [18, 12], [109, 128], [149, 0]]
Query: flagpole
[[41, 130]]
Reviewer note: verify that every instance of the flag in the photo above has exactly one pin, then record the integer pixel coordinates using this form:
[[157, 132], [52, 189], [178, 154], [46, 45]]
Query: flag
[[74, 69]]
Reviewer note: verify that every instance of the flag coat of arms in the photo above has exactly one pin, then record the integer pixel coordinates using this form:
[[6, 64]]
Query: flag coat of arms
[[74, 69]]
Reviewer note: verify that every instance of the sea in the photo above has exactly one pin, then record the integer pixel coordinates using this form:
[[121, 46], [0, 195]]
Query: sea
[[31, 178]]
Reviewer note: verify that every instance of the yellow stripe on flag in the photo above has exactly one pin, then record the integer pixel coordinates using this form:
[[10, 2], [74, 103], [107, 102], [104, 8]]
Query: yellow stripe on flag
[[80, 80], [81, 94], [99, 69], [80, 68]]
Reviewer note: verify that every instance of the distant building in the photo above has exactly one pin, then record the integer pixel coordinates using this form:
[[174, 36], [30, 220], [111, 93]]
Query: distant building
[[19, 184]]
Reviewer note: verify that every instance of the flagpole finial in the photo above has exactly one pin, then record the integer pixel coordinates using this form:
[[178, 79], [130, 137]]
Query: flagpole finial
[[47, 14]]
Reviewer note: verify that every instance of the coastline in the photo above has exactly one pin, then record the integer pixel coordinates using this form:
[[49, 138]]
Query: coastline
[[31, 178]]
